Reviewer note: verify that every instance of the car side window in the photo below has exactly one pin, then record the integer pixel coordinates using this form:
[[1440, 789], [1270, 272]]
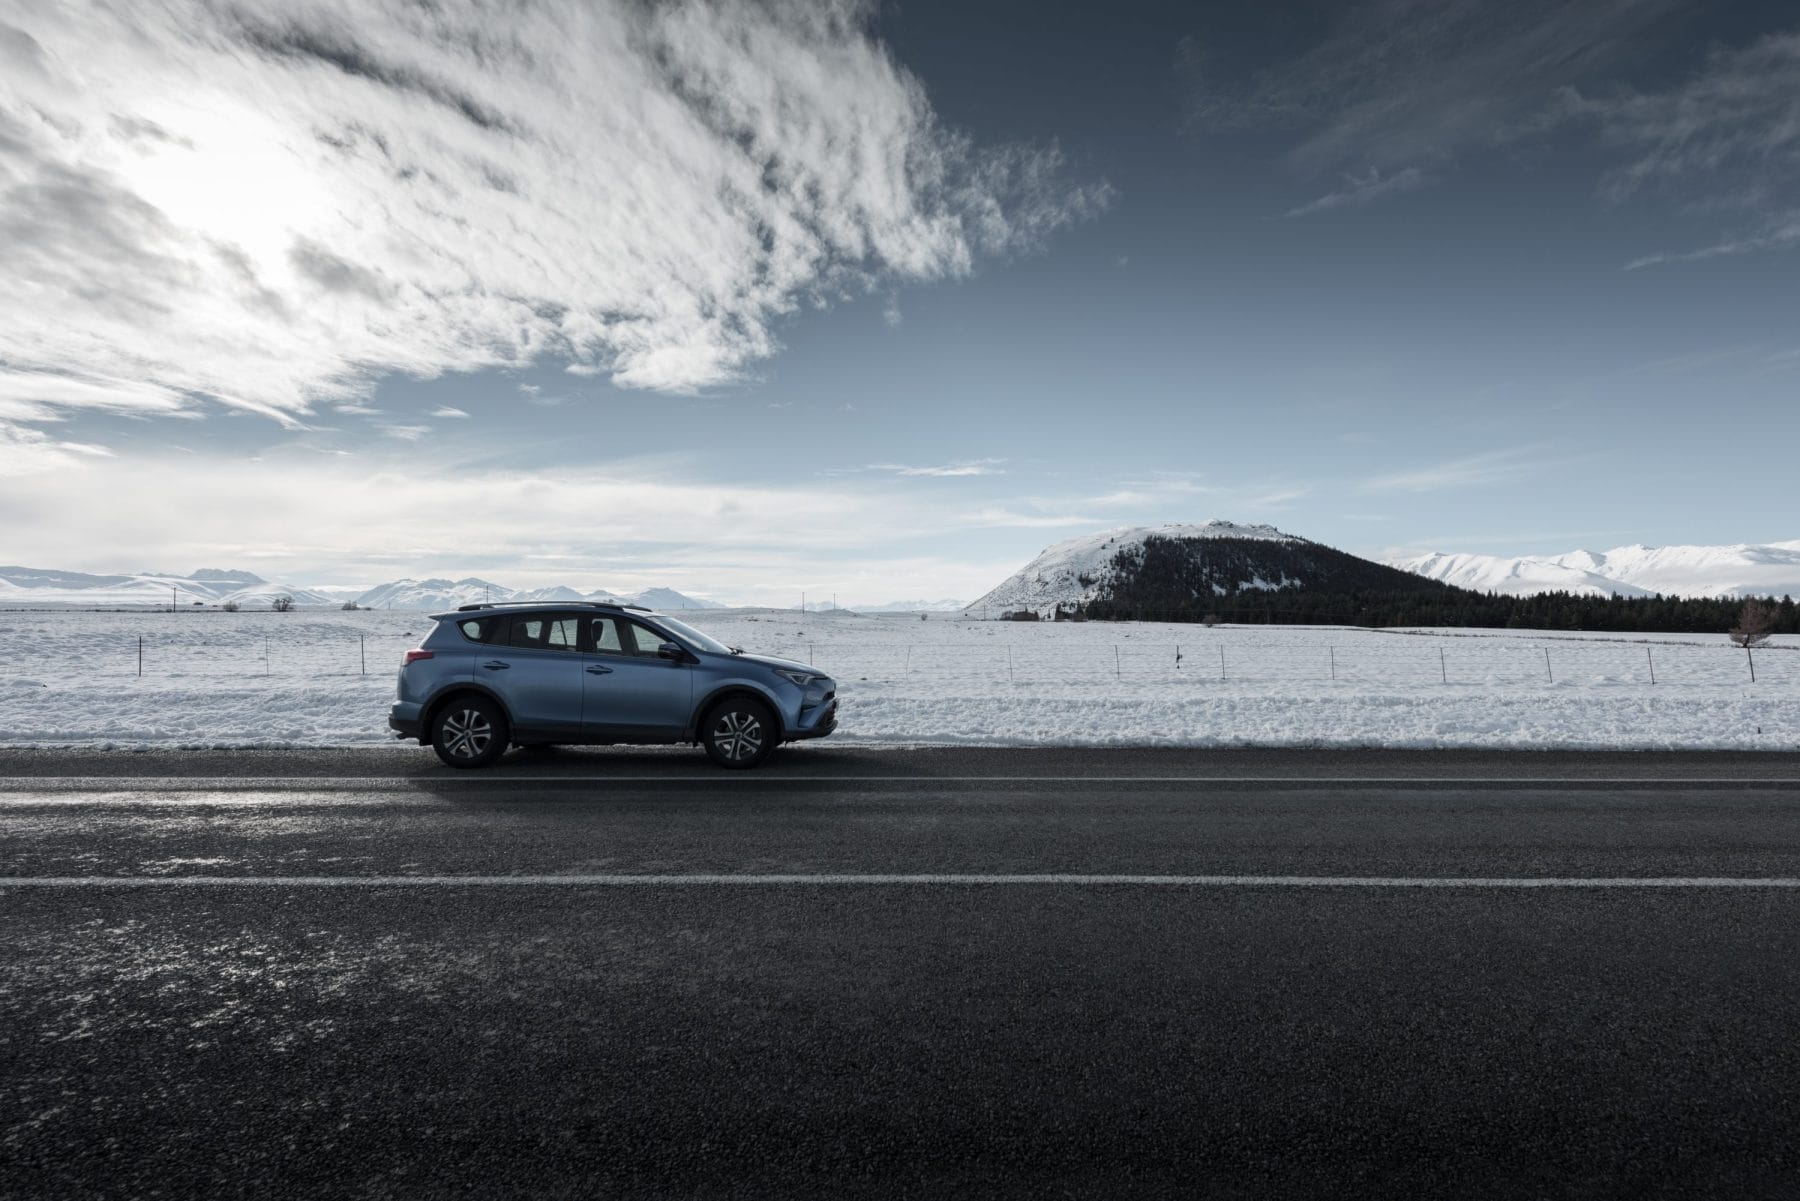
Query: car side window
[[546, 633], [604, 636], [645, 640]]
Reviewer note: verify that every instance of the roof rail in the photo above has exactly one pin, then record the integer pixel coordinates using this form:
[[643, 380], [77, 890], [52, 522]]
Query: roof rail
[[553, 604]]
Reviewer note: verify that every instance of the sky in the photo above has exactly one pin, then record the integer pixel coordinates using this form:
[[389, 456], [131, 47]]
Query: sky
[[877, 301]]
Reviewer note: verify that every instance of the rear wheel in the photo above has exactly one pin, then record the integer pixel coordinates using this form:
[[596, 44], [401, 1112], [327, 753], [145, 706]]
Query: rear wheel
[[469, 731], [739, 732]]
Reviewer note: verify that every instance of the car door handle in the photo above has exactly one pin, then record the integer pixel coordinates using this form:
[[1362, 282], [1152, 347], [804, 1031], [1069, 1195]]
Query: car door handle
[[497, 665], [599, 669]]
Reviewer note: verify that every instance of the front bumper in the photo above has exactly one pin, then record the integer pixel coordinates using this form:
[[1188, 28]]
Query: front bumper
[[817, 723]]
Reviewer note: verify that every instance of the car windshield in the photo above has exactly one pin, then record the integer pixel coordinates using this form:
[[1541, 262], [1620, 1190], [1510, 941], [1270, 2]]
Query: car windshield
[[705, 642]]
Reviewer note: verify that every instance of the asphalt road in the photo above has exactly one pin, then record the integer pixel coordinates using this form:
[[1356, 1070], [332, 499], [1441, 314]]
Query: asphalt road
[[1247, 974]]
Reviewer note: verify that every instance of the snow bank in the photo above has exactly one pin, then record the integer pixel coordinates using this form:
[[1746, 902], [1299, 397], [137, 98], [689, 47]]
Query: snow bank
[[265, 679]]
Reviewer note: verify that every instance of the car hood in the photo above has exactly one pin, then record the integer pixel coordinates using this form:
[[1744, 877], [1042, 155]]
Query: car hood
[[771, 661]]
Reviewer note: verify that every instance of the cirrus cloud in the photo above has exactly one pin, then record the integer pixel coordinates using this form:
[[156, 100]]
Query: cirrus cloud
[[275, 206]]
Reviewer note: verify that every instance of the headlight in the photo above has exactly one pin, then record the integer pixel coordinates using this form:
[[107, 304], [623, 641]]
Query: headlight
[[802, 678]]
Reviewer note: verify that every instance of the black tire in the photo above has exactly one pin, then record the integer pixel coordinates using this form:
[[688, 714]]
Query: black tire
[[739, 732], [469, 731]]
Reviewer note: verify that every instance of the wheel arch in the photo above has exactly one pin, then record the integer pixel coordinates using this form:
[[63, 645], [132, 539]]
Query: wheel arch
[[725, 692], [449, 692]]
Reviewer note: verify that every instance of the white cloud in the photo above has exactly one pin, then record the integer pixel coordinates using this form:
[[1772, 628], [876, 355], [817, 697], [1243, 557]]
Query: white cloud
[[965, 467], [1276, 498], [273, 206], [1360, 190], [1124, 498], [996, 517], [448, 411], [406, 433], [29, 452], [1782, 237], [1492, 467]]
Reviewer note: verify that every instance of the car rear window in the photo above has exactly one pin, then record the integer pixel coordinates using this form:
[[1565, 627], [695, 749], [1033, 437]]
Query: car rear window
[[480, 629]]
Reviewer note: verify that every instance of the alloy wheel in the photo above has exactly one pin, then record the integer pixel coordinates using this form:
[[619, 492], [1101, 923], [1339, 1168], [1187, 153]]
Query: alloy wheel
[[738, 735], [468, 734]]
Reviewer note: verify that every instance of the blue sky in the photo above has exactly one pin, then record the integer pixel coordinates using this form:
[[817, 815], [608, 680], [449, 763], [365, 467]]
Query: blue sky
[[880, 300]]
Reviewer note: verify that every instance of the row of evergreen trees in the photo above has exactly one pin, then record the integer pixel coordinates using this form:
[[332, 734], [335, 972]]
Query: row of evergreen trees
[[1449, 607]]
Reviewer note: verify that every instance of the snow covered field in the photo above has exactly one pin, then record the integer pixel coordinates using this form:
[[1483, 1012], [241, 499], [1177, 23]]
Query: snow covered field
[[269, 679]]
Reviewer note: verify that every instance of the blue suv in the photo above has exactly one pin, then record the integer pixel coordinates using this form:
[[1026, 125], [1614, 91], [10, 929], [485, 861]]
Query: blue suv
[[492, 676]]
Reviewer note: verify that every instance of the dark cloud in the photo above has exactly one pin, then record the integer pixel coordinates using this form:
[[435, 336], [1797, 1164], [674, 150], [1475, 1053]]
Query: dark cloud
[[338, 50], [336, 274]]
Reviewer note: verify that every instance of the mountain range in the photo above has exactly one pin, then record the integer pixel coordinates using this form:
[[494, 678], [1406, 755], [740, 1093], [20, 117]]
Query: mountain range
[[1740, 570], [214, 586], [1178, 566], [448, 594], [208, 586]]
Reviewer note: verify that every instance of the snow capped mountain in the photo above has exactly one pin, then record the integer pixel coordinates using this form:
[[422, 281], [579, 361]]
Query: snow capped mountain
[[555, 592], [668, 598], [1745, 569], [1091, 566], [1514, 577], [433, 594], [221, 576]]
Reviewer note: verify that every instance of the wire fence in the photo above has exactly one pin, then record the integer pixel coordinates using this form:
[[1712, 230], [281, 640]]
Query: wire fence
[[1212, 657]]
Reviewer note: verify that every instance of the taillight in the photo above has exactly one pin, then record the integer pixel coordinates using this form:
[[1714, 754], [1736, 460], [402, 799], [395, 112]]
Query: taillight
[[415, 656]]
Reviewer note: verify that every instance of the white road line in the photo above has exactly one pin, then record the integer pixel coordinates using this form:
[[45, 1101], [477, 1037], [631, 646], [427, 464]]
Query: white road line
[[376, 783], [841, 879]]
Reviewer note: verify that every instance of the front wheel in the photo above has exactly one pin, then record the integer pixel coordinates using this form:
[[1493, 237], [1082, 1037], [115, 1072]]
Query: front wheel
[[739, 733], [469, 731]]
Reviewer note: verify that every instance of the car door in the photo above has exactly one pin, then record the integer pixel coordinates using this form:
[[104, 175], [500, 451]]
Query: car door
[[537, 673], [632, 694]]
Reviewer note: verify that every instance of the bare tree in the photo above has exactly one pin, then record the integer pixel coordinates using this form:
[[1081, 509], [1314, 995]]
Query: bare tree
[[351, 606], [282, 604], [1755, 622], [1210, 620], [230, 606]]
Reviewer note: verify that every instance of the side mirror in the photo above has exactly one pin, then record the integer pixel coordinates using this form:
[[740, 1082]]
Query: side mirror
[[670, 650]]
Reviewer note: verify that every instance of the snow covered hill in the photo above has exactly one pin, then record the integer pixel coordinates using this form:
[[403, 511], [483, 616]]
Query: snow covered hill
[[1772, 569], [208, 586], [1087, 567], [435, 593], [665, 598]]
